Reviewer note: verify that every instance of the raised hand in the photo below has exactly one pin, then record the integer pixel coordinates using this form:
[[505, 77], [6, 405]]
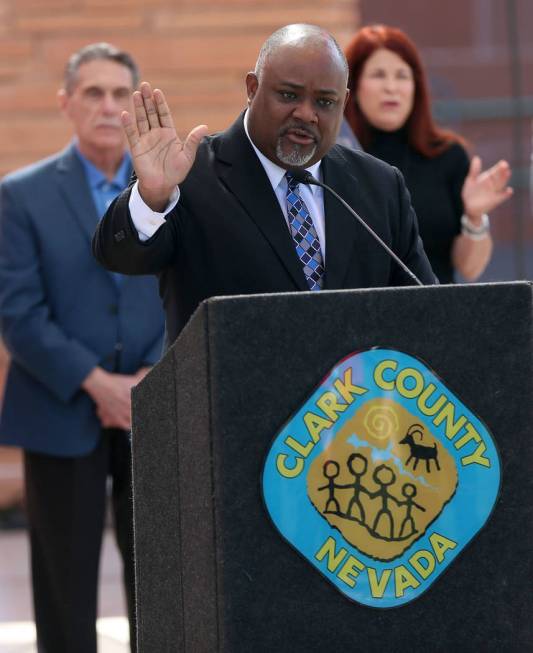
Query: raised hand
[[484, 191], [161, 160]]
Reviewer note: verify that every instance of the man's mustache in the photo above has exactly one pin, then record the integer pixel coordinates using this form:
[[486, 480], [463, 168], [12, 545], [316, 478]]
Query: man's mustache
[[300, 128], [116, 125]]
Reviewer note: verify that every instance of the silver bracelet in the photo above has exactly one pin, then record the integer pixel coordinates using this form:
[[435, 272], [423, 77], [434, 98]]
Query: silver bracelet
[[473, 231]]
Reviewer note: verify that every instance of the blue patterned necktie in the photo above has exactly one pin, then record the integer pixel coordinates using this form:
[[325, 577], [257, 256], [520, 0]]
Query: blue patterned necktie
[[304, 235]]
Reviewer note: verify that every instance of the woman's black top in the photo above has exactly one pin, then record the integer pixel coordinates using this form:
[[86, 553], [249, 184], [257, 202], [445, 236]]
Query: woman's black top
[[435, 186]]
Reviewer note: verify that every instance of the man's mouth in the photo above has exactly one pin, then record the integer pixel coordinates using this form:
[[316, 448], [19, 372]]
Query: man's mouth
[[299, 135]]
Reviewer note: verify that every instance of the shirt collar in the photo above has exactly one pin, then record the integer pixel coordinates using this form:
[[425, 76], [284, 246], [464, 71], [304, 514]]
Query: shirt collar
[[275, 173], [95, 177]]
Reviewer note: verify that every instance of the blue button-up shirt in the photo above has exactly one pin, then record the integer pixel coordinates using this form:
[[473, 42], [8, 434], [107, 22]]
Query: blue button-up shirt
[[104, 191]]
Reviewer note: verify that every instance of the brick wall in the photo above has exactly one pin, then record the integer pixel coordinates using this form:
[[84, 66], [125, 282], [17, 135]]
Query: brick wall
[[197, 51]]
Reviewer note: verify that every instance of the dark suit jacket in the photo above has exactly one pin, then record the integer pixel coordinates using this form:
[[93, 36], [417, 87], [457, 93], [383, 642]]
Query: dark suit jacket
[[227, 234], [61, 313]]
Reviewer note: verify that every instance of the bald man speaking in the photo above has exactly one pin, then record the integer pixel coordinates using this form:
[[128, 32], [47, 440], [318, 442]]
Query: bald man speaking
[[223, 215]]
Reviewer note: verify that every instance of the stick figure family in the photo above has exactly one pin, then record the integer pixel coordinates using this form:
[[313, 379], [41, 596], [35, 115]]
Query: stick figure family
[[383, 525]]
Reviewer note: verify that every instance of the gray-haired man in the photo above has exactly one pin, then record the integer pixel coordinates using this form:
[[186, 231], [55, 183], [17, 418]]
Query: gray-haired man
[[79, 339]]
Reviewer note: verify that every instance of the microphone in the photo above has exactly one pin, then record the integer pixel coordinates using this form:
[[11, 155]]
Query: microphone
[[303, 176]]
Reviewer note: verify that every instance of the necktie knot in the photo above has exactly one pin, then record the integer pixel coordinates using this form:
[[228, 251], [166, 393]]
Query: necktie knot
[[292, 183]]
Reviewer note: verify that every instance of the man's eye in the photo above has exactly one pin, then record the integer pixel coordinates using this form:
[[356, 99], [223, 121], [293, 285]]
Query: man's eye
[[93, 92], [326, 102], [287, 95]]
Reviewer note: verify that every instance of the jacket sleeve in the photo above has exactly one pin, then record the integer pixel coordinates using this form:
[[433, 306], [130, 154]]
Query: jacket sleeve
[[116, 243], [33, 339], [409, 245], [153, 353]]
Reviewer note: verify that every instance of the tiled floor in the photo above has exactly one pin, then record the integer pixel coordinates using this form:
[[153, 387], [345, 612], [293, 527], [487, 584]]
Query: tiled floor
[[17, 633]]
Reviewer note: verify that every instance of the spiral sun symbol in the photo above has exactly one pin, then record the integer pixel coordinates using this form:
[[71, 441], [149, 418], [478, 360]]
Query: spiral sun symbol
[[381, 422]]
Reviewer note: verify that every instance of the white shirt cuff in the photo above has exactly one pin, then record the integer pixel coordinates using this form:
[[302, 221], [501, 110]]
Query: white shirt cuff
[[146, 221]]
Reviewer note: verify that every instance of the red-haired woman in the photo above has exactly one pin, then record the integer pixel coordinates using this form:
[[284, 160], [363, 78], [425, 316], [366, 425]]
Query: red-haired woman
[[388, 111]]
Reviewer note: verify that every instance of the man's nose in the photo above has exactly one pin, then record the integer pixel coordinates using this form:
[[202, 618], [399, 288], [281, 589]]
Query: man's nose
[[305, 111], [109, 103]]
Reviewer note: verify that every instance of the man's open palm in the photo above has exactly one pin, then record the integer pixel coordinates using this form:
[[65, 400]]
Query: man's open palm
[[161, 160]]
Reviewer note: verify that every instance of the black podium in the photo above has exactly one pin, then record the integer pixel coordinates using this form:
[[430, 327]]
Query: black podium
[[214, 573]]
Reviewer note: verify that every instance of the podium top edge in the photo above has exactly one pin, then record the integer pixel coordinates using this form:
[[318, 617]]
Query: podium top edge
[[461, 287], [216, 305]]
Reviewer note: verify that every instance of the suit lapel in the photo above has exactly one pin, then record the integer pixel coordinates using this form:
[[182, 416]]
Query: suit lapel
[[73, 187], [241, 171], [341, 227]]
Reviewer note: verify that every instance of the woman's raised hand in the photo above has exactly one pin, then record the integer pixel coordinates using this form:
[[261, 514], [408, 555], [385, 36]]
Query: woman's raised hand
[[484, 191], [161, 160]]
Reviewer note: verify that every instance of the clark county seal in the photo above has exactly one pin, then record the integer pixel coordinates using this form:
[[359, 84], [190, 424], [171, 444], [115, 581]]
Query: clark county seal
[[381, 478]]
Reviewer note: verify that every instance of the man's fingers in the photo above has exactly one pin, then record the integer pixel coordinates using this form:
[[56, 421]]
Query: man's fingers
[[115, 421], [193, 140], [165, 117], [129, 128], [143, 126], [149, 105]]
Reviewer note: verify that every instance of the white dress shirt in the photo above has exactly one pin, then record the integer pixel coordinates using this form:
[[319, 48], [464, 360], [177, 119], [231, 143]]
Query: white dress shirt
[[147, 222]]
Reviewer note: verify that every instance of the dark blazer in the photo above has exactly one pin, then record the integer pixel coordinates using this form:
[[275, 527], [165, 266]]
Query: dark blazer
[[61, 314], [227, 234]]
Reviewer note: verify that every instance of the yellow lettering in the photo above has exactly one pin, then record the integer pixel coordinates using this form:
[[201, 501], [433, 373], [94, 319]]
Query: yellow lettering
[[334, 558], [378, 585], [329, 404], [440, 545], [287, 471], [477, 457], [448, 414], [315, 425], [350, 570], [378, 374], [424, 570], [471, 434], [422, 401], [403, 579], [347, 389], [401, 385], [303, 450]]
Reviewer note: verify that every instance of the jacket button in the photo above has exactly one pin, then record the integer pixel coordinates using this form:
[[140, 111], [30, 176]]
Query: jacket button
[[113, 309]]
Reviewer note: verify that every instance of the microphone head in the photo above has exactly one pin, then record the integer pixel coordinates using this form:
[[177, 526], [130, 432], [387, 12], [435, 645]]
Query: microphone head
[[303, 176]]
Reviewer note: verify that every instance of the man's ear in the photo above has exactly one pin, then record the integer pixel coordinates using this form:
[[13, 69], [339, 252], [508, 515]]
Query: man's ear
[[346, 98], [62, 99], [251, 85]]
